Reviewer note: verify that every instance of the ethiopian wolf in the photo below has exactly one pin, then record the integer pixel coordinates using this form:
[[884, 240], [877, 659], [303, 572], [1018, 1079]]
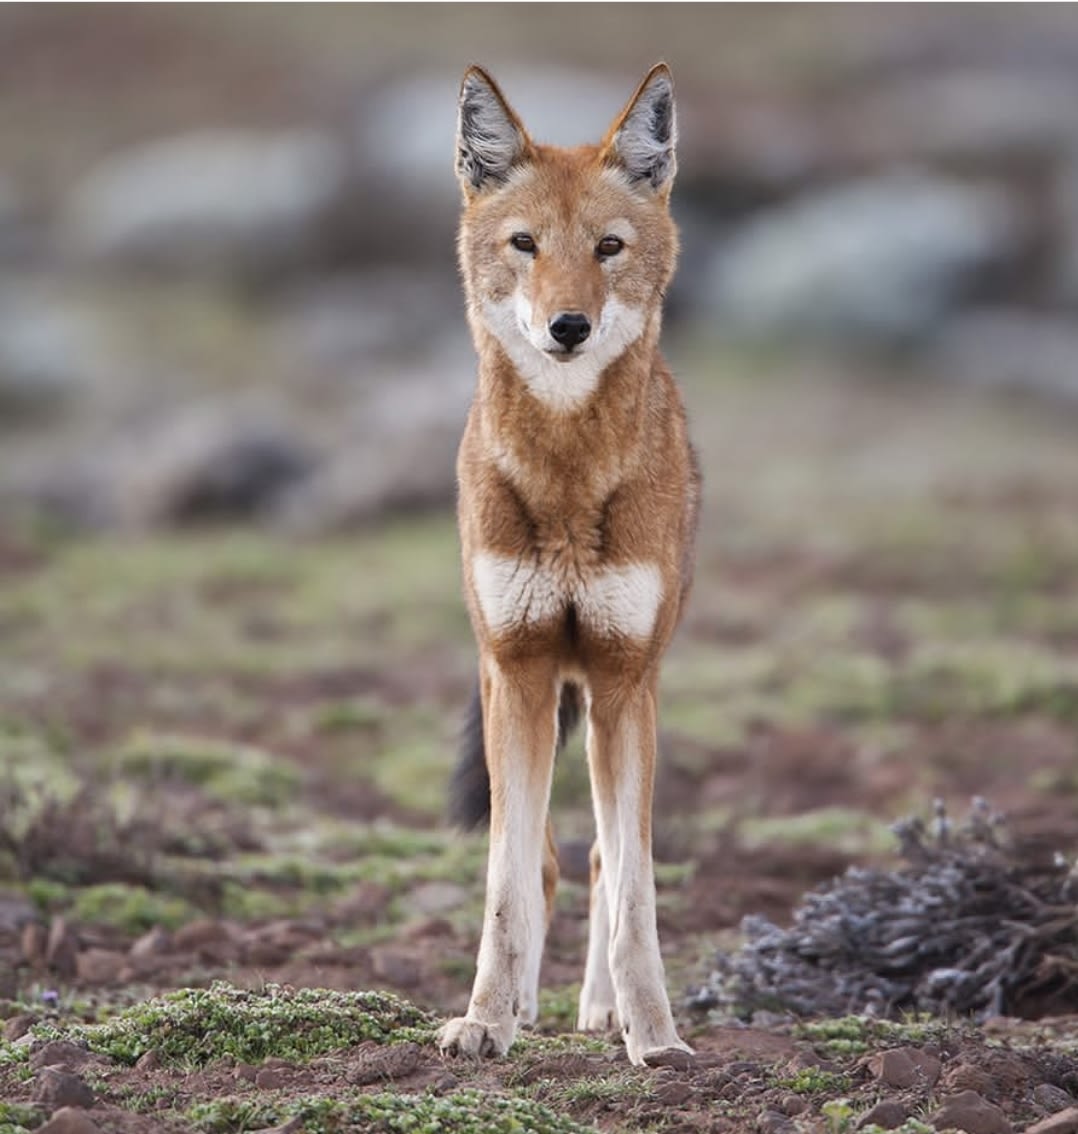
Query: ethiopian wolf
[[578, 503]]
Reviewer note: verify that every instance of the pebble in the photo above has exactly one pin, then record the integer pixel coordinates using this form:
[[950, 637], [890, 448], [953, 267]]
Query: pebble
[[148, 1061], [61, 949], [34, 940], [69, 1120], [673, 1092], [1065, 1122], [154, 941], [99, 966], [773, 1122], [56, 1088], [887, 1113], [1052, 1098], [972, 1113], [18, 1026], [59, 1053], [904, 1067]]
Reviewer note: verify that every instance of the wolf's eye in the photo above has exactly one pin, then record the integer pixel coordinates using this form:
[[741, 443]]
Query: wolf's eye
[[609, 246], [522, 242]]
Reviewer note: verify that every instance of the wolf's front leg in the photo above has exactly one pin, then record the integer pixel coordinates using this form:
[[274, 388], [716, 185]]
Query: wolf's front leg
[[621, 759], [520, 725]]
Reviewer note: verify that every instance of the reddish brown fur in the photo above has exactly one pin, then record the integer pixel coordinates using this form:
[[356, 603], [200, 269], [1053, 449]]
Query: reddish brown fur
[[609, 483]]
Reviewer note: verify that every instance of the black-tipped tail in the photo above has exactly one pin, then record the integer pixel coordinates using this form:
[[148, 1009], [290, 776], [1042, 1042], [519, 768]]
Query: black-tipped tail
[[469, 790]]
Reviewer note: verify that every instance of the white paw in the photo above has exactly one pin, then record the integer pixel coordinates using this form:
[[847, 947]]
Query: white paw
[[597, 1015], [464, 1036]]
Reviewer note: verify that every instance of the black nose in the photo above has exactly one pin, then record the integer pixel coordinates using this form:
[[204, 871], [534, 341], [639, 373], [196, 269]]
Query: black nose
[[570, 328]]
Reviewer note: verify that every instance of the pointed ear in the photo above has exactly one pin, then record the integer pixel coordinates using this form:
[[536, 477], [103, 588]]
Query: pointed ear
[[491, 139], [642, 139]]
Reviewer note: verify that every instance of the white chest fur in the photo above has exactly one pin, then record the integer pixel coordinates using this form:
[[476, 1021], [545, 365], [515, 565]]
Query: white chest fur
[[608, 601]]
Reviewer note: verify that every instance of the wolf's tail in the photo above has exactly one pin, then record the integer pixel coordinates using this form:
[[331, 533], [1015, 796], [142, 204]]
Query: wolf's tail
[[469, 791]]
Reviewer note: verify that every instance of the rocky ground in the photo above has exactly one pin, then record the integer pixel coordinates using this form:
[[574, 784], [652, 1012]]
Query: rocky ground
[[227, 752], [233, 370]]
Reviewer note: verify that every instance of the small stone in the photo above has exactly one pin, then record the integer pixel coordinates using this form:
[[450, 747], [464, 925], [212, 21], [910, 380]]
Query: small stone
[[972, 1113], [59, 1053], [676, 1092], [1052, 1098], [61, 949], [792, 1105], [203, 933], [34, 940], [56, 1088], [69, 1120], [156, 940], [395, 967], [375, 1062], [99, 966], [292, 1126], [904, 1067], [969, 1077], [773, 1122], [1065, 1122], [270, 1078], [18, 1026], [148, 1061], [887, 1113]]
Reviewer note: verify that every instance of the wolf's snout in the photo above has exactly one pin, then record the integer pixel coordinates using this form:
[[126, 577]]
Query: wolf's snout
[[570, 329]]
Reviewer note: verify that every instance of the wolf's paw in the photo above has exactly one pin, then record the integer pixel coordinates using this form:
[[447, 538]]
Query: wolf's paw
[[597, 1015], [463, 1036]]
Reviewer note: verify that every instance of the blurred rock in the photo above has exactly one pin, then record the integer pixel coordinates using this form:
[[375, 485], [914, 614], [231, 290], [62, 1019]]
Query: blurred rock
[[1010, 349], [62, 947], [56, 1088], [220, 459], [215, 461], [1065, 1122], [15, 911], [879, 260], [18, 237], [970, 1112], [69, 1120], [401, 454], [330, 333], [222, 201], [1066, 208], [52, 351], [404, 147], [979, 117], [99, 966]]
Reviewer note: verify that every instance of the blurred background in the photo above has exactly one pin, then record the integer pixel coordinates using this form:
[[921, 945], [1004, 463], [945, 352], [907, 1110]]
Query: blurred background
[[226, 236], [234, 370]]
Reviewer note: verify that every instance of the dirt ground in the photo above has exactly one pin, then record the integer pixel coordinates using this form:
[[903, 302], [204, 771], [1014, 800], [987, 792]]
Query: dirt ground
[[226, 759], [224, 753]]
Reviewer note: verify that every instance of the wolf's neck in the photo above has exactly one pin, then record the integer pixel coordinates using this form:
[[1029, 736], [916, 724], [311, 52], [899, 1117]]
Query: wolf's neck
[[594, 439]]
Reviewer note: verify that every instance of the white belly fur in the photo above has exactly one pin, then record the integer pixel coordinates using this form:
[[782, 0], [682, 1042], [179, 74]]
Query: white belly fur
[[611, 600]]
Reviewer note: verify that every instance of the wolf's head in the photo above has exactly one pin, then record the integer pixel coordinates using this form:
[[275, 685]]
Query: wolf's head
[[566, 253]]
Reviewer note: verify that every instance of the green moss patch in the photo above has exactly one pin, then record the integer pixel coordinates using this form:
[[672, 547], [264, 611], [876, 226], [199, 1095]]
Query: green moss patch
[[463, 1112], [193, 1027], [233, 772]]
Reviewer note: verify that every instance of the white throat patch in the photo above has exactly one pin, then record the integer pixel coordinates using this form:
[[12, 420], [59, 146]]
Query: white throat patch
[[560, 385]]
